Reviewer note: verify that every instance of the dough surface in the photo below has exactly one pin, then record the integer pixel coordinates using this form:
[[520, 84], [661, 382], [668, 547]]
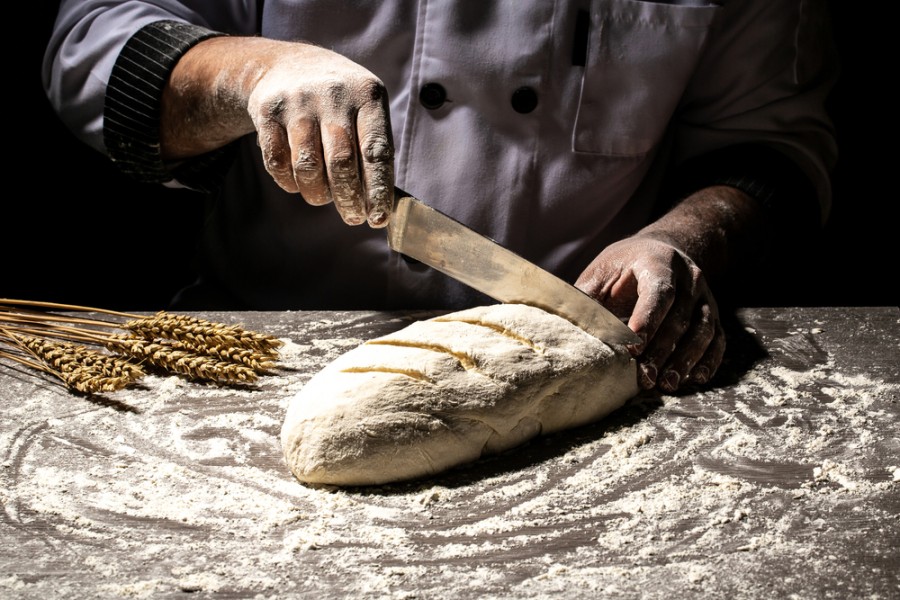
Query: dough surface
[[446, 391]]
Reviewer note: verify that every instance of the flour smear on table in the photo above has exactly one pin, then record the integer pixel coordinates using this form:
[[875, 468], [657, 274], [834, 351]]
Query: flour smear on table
[[178, 487]]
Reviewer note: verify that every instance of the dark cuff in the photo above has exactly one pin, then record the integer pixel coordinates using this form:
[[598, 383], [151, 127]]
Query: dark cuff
[[132, 110], [775, 181]]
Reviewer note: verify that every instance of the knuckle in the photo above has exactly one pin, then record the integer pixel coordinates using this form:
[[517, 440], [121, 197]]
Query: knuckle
[[665, 290], [697, 276], [380, 195], [349, 210], [373, 89], [269, 109], [342, 166], [275, 163], [275, 166], [377, 148], [307, 165], [347, 195], [704, 322], [336, 91]]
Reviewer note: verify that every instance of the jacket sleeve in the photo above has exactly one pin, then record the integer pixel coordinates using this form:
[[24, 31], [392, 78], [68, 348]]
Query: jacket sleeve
[[754, 115], [106, 64]]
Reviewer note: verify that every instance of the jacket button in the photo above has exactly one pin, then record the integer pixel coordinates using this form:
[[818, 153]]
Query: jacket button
[[432, 96], [524, 100]]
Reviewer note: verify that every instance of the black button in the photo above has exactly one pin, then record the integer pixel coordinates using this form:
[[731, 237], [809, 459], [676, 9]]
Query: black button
[[432, 95], [524, 100]]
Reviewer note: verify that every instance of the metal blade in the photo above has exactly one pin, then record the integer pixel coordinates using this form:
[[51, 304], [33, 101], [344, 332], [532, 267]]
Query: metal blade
[[441, 242]]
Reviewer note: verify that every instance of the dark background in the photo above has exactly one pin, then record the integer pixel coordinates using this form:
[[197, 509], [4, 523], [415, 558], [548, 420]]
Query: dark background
[[78, 232]]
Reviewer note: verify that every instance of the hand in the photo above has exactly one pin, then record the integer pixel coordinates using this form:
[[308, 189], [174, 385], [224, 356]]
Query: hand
[[324, 131], [322, 121], [670, 305]]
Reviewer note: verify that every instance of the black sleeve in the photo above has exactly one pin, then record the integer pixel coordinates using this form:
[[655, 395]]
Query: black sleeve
[[787, 195], [132, 108]]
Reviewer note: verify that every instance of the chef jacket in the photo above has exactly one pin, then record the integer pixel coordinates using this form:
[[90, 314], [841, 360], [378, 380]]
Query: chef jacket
[[550, 126]]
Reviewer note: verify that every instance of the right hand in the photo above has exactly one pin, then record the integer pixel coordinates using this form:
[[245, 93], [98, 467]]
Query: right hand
[[322, 121]]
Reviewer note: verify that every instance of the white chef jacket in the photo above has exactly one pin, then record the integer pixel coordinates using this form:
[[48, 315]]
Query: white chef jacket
[[553, 158]]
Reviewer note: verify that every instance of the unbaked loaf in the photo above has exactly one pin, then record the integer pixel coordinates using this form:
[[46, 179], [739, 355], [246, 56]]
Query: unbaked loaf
[[448, 390]]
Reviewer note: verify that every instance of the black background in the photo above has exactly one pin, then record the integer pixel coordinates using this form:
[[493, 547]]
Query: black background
[[76, 231]]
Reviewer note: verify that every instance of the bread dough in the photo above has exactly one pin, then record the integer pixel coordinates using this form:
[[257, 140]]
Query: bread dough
[[445, 391]]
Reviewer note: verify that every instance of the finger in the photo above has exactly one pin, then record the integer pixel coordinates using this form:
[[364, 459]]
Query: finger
[[652, 304], [377, 152], [620, 294], [656, 295], [668, 318], [708, 365], [690, 349], [620, 297], [307, 160], [342, 167], [276, 153]]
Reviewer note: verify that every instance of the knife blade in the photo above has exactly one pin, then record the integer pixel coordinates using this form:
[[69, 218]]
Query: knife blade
[[443, 243]]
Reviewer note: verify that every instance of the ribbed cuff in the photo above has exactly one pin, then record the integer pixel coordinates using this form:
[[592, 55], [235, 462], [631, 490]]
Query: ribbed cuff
[[132, 110]]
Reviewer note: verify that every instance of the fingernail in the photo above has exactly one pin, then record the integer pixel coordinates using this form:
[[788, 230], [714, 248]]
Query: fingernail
[[378, 218], [671, 379], [700, 374], [635, 349], [648, 375], [355, 219]]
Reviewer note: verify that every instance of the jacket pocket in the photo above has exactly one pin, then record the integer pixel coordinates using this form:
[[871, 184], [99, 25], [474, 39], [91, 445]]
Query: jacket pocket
[[640, 58]]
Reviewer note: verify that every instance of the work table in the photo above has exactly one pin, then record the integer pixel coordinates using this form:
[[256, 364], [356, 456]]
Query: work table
[[781, 478]]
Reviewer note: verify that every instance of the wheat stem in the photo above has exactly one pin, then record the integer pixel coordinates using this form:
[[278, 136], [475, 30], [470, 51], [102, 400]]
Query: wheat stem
[[10, 316], [73, 307]]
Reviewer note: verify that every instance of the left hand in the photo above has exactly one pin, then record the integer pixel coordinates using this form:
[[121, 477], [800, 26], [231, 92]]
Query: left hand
[[670, 305]]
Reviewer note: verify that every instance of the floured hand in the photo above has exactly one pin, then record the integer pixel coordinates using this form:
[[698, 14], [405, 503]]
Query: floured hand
[[322, 121], [660, 279], [669, 305]]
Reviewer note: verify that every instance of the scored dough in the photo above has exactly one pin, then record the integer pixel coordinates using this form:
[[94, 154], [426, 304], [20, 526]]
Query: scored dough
[[446, 391]]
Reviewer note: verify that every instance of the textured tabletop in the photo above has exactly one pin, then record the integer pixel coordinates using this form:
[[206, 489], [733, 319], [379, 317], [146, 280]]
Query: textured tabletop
[[780, 479]]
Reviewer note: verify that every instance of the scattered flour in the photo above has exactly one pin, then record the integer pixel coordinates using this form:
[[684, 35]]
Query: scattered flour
[[782, 482]]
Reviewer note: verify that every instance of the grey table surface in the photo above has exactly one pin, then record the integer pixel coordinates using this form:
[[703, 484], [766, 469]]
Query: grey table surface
[[779, 480]]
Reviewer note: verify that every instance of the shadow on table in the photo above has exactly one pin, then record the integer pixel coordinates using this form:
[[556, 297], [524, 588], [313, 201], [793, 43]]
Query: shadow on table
[[525, 458], [742, 352]]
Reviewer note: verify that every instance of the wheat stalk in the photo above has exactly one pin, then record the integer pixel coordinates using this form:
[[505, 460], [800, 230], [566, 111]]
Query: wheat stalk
[[190, 346]]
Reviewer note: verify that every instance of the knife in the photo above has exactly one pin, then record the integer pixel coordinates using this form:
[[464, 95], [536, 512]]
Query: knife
[[443, 243]]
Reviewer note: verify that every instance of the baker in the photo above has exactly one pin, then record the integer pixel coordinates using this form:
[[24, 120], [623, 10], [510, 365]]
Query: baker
[[642, 150]]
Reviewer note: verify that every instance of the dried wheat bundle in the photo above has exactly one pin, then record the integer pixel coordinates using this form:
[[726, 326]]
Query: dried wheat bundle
[[92, 354]]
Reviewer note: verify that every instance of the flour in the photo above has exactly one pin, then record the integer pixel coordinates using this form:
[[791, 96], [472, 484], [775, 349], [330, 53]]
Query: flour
[[181, 488]]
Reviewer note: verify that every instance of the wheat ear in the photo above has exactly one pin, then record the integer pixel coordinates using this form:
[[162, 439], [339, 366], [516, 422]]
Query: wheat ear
[[203, 334], [80, 368], [178, 359]]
